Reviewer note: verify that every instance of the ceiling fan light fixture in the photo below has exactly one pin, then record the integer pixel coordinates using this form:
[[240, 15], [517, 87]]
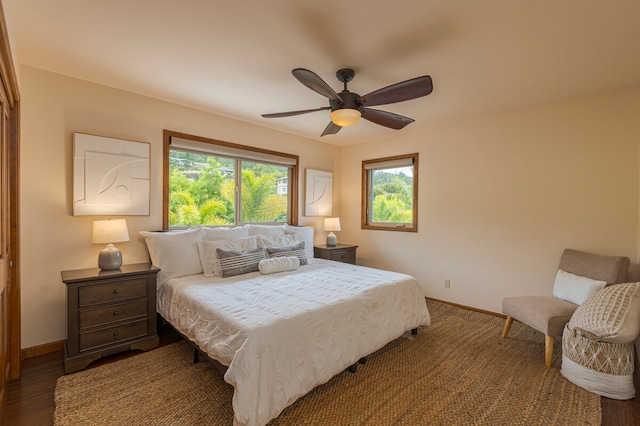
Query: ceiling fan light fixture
[[345, 117]]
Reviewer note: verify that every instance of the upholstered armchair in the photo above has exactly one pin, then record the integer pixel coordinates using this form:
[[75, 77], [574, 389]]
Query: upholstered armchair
[[579, 275]]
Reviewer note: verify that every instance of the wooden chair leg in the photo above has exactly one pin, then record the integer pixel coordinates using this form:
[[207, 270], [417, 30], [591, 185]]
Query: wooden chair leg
[[507, 326], [548, 350]]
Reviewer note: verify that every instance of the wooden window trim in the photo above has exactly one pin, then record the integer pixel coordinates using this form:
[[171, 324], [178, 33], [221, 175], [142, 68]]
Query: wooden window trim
[[364, 216]]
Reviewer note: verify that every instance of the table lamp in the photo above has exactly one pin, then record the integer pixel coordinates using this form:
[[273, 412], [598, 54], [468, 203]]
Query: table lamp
[[109, 232], [332, 224]]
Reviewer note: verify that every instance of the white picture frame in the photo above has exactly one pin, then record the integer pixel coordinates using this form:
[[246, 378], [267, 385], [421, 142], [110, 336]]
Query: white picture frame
[[110, 176], [319, 193]]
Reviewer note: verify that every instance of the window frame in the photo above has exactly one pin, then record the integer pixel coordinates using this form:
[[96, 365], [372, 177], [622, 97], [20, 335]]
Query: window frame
[[384, 163], [251, 151]]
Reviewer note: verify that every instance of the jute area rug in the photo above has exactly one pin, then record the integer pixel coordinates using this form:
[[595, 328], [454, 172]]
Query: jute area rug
[[458, 371]]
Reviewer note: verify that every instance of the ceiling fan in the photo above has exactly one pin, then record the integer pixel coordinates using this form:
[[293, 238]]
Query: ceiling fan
[[347, 107]]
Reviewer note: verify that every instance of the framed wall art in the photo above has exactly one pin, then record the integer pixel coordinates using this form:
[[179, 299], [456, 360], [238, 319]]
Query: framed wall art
[[110, 176], [319, 193]]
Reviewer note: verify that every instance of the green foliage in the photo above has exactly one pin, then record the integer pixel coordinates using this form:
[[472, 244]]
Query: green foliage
[[392, 197], [202, 191], [391, 210], [259, 201], [214, 212]]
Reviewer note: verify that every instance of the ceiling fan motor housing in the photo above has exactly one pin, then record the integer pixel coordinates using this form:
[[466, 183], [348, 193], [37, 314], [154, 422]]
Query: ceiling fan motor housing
[[350, 101]]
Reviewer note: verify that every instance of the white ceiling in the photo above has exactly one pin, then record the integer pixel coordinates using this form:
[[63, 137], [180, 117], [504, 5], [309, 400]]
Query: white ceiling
[[234, 58]]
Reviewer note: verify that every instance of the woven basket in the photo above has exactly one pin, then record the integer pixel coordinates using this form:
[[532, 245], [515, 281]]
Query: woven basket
[[599, 367]]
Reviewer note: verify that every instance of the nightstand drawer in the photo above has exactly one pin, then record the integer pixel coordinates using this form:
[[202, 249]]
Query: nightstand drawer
[[108, 314], [111, 335], [346, 256], [105, 293], [345, 253]]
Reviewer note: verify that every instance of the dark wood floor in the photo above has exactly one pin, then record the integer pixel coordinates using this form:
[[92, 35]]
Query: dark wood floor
[[30, 399]]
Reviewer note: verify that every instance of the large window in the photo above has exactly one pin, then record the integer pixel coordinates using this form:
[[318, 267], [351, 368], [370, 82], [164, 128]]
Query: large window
[[218, 183], [390, 193]]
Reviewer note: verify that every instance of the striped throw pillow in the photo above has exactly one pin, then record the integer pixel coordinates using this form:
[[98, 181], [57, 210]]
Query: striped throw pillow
[[296, 250], [237, 262]]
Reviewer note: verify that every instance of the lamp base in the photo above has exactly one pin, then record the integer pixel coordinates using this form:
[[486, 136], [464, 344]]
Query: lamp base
[[332, 240], [110, 258]]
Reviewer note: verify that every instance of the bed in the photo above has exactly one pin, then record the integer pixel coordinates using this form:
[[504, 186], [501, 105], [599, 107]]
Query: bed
[[280, 332]]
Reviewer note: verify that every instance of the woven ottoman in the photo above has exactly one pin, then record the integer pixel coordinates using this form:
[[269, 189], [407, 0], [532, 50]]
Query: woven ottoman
[[599, 367], [598, 342]]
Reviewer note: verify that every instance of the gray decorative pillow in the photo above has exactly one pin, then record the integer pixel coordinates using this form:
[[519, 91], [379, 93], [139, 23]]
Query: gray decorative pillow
[[296, 250], [610, 315], [237, 262]]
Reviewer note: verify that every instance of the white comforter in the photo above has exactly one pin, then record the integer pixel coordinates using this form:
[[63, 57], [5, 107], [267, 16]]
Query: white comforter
[[283, 334]]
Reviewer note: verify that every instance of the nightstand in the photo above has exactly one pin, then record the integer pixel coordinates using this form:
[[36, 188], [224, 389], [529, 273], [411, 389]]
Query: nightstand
[[345, 253], [109, 312]]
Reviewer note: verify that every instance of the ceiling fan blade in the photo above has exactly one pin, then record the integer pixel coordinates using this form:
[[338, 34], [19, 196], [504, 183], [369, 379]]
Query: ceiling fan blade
[[385, 118], [290, 113], [403, 91], [331, 129], [315, 83]]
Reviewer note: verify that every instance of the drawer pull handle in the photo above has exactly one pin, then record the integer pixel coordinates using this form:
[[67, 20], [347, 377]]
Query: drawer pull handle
[[116, 291], [116, 313], [116, 334]]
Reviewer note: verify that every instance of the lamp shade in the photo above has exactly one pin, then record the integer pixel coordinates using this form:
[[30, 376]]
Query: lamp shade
[[345, 117], [109, 231], [332, 224]]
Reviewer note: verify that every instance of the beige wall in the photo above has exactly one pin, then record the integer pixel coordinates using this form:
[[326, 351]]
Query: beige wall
[[500, 197], [53, 107]]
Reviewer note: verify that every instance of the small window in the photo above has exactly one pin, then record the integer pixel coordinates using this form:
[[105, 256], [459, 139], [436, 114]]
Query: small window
[[390, 193]]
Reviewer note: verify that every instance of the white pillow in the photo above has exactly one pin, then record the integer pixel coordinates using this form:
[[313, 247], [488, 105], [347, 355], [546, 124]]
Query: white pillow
[[174, 252], [208, 255], [574, 288], [278, 264], [224, 233], [270, 241], [306, 235], [265, 229]]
